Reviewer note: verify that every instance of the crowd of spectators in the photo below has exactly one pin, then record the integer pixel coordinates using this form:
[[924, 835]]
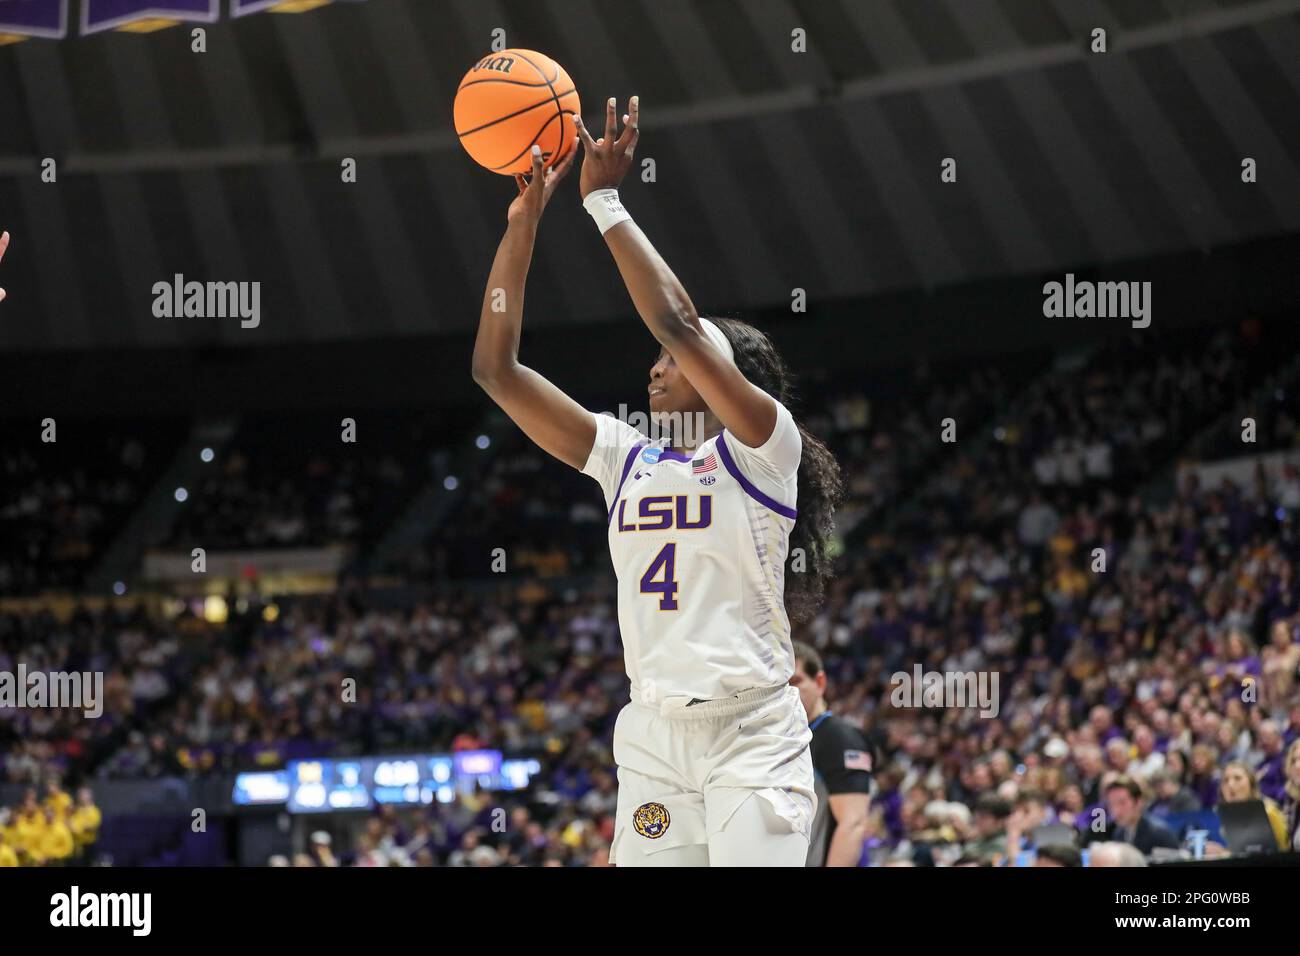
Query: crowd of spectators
[[554, 829], [55, 831], [65, 488], [1146, 646], [312, 480], [550, 522]]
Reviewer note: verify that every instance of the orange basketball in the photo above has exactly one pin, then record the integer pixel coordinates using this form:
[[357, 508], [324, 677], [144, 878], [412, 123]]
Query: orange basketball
[[510, 100]]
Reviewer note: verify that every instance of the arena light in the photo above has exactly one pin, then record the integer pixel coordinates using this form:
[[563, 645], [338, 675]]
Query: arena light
[[180, 494], [215, 610], [207, 454]]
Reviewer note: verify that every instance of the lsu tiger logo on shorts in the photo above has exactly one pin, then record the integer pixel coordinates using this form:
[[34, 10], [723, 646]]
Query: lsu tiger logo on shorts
[[651, 820]]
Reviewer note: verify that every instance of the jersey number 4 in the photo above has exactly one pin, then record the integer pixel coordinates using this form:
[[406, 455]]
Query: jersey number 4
[[666, 562]]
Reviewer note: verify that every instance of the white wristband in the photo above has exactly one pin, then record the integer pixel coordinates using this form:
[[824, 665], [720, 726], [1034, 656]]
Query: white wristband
[[606, 208]]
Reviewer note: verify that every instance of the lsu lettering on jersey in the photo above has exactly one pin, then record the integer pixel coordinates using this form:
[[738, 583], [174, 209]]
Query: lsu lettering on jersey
[[699, 544]]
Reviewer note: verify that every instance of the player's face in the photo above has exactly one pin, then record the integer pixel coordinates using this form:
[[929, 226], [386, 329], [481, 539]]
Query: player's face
[[669, 390]]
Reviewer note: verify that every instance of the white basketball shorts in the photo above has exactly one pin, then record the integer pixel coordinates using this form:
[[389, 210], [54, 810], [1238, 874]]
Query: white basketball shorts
[[724, 782]]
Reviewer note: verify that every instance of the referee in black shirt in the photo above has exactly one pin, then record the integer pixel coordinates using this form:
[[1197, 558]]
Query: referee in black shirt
[[842, 765]]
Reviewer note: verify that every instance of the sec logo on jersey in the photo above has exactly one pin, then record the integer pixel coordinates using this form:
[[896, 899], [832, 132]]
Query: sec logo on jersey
[[651, 820]]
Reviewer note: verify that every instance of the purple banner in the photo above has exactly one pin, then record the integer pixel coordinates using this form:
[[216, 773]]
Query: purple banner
[[242, 8], [97, 15], [34, 18]]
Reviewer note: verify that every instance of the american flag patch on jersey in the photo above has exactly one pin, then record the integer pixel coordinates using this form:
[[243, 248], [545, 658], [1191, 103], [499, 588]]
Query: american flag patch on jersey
[[706, 464], [857, 760]]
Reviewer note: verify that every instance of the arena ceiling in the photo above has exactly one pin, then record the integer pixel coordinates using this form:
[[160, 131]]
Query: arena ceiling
[[774, 170]]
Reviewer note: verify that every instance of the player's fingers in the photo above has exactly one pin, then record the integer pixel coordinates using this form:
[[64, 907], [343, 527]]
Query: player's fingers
[[522, 182], [2, 295], [4, 243], [587, 141], [631, 122], [537, 166], [611, 119], [562, 168]]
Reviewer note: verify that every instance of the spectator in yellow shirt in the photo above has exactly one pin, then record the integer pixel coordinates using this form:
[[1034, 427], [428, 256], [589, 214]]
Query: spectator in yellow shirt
[[56, 841], [58, 798], [1239, 784], [28, 827], [85, 820], [8, 857], [9, 829]]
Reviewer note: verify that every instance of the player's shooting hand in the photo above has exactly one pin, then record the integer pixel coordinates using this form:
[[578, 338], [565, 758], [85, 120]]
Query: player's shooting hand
[[606, 160], [535, 191], [4, 244]]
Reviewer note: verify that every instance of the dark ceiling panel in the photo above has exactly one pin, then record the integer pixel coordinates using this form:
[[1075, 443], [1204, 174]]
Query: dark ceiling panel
[[1123, 165], [1276, 97], [774, 171], [934, 29], [191, 120], [737, 45], [1204, 140], [263, 58], [1035, 22], [1014, 139], [836, 39], [100, 124]]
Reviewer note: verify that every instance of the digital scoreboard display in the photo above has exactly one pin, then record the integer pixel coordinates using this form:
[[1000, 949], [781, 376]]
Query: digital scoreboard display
[[361, 783], [261, 789]]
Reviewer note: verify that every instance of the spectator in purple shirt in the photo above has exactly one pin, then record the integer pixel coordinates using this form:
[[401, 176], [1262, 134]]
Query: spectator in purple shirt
[[1270, 760], [1201, 775], [1102, 721]]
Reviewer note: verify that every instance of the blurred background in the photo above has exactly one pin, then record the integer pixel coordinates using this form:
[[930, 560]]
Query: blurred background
[[479, 730]]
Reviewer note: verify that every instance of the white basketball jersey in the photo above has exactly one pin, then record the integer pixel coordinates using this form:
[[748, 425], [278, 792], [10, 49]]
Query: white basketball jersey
[[699, 544]]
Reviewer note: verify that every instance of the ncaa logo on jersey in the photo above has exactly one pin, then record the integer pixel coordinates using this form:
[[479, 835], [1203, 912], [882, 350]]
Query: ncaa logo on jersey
[[651, 820], [650, 454]]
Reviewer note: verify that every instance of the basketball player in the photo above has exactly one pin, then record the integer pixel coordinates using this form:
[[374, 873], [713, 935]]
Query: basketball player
[[713, 758], [842, 762]]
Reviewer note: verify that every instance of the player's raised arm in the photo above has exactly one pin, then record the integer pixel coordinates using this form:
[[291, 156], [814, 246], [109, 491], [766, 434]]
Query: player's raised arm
[[4, 244], [553, 420], [744, 409]]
